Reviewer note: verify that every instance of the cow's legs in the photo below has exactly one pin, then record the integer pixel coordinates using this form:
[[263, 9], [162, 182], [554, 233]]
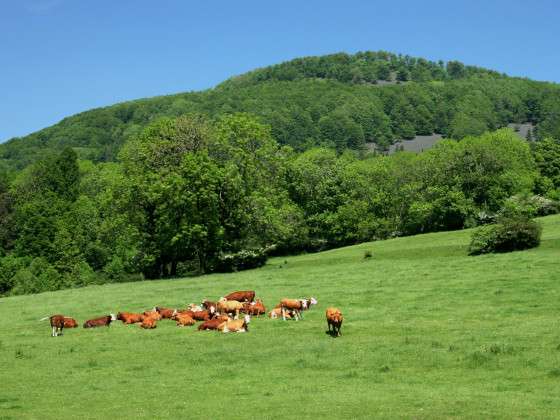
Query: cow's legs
[[283, 313], [53, 334]]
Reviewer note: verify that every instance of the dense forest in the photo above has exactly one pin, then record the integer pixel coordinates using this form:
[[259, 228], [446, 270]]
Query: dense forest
[[270, 163]]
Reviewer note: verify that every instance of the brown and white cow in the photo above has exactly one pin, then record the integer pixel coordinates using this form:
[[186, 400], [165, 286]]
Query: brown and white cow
[[213, 324], [294, 305], [254, 308], [236, 325], [57, 324], [102, 321]]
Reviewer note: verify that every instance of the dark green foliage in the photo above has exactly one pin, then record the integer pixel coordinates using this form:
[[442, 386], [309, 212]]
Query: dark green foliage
[[197, 181], [511, 234]]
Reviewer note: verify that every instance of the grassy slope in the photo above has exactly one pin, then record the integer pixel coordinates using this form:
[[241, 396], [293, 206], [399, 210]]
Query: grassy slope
[[429, 333]]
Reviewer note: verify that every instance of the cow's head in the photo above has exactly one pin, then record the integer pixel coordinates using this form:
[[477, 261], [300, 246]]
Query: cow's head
[[113, 317], [312, 301], [247, 319]]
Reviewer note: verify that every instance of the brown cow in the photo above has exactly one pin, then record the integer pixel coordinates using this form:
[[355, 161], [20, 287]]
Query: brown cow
[[241, 296], [213, 324], [183, 320], [155, 315], [148, 323], [70, 322], [196, 315], [129, 317], [57, 324], [334, 320], [102, 321], [254, 308], [165, 313]]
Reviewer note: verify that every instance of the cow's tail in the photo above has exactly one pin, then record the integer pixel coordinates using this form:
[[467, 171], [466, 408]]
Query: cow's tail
[[45, 318]]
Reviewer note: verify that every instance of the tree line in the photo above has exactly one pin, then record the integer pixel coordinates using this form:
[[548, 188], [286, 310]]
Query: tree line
[[194, 194]]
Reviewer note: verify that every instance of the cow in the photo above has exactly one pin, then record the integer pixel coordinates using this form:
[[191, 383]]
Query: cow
[[294, 305], [213, 324], [102, 321], [148, 323], [254, 308], [152, 314], [165, 313], [334, 320], [129, 318], [183, 320], [236, 325], [209, 305], [277, 313], [310, 302], [70, 322], [57, 324], [241, 296], [229, 307]]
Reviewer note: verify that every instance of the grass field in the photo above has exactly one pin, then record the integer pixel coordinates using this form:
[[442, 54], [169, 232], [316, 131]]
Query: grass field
[[429, 333]]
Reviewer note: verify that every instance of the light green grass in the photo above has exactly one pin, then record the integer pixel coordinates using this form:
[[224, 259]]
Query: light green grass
[[428, 333]]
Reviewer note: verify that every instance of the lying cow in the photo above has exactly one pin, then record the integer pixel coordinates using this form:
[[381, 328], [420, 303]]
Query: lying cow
[[241, 296], [334, 320], [277, 313], [197, 315], [184, 320], [236, 325], [70, 322], [129, 317], [57, 324], [165, 313], [155, 315], [254, 308], [213, 324], [102, 321], [148, 323]]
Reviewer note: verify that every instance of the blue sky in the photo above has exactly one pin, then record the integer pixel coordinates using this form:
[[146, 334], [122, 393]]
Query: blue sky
[[60, 57]]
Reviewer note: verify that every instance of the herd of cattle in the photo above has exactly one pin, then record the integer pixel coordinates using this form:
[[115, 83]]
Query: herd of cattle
[[222, 315]]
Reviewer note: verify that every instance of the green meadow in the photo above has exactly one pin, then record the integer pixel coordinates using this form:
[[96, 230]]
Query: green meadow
[[429, 332]]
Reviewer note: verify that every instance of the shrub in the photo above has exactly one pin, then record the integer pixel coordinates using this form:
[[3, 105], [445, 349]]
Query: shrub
[[242, 260], [510, 234]]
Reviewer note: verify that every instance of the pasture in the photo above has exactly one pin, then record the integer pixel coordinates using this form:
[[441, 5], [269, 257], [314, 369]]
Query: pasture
[[429, 332]]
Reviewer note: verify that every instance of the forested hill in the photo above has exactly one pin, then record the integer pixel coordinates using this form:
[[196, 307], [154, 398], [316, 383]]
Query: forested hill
[[340, 101]]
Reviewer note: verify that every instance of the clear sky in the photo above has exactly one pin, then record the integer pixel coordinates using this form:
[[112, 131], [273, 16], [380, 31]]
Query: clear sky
[[60, 57]]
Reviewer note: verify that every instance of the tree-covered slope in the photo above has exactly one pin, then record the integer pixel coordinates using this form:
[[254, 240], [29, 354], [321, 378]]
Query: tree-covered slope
[[341, 101]]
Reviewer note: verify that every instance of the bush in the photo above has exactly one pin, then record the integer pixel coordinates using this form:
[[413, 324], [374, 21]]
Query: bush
[[510, 234], [242, 260]]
